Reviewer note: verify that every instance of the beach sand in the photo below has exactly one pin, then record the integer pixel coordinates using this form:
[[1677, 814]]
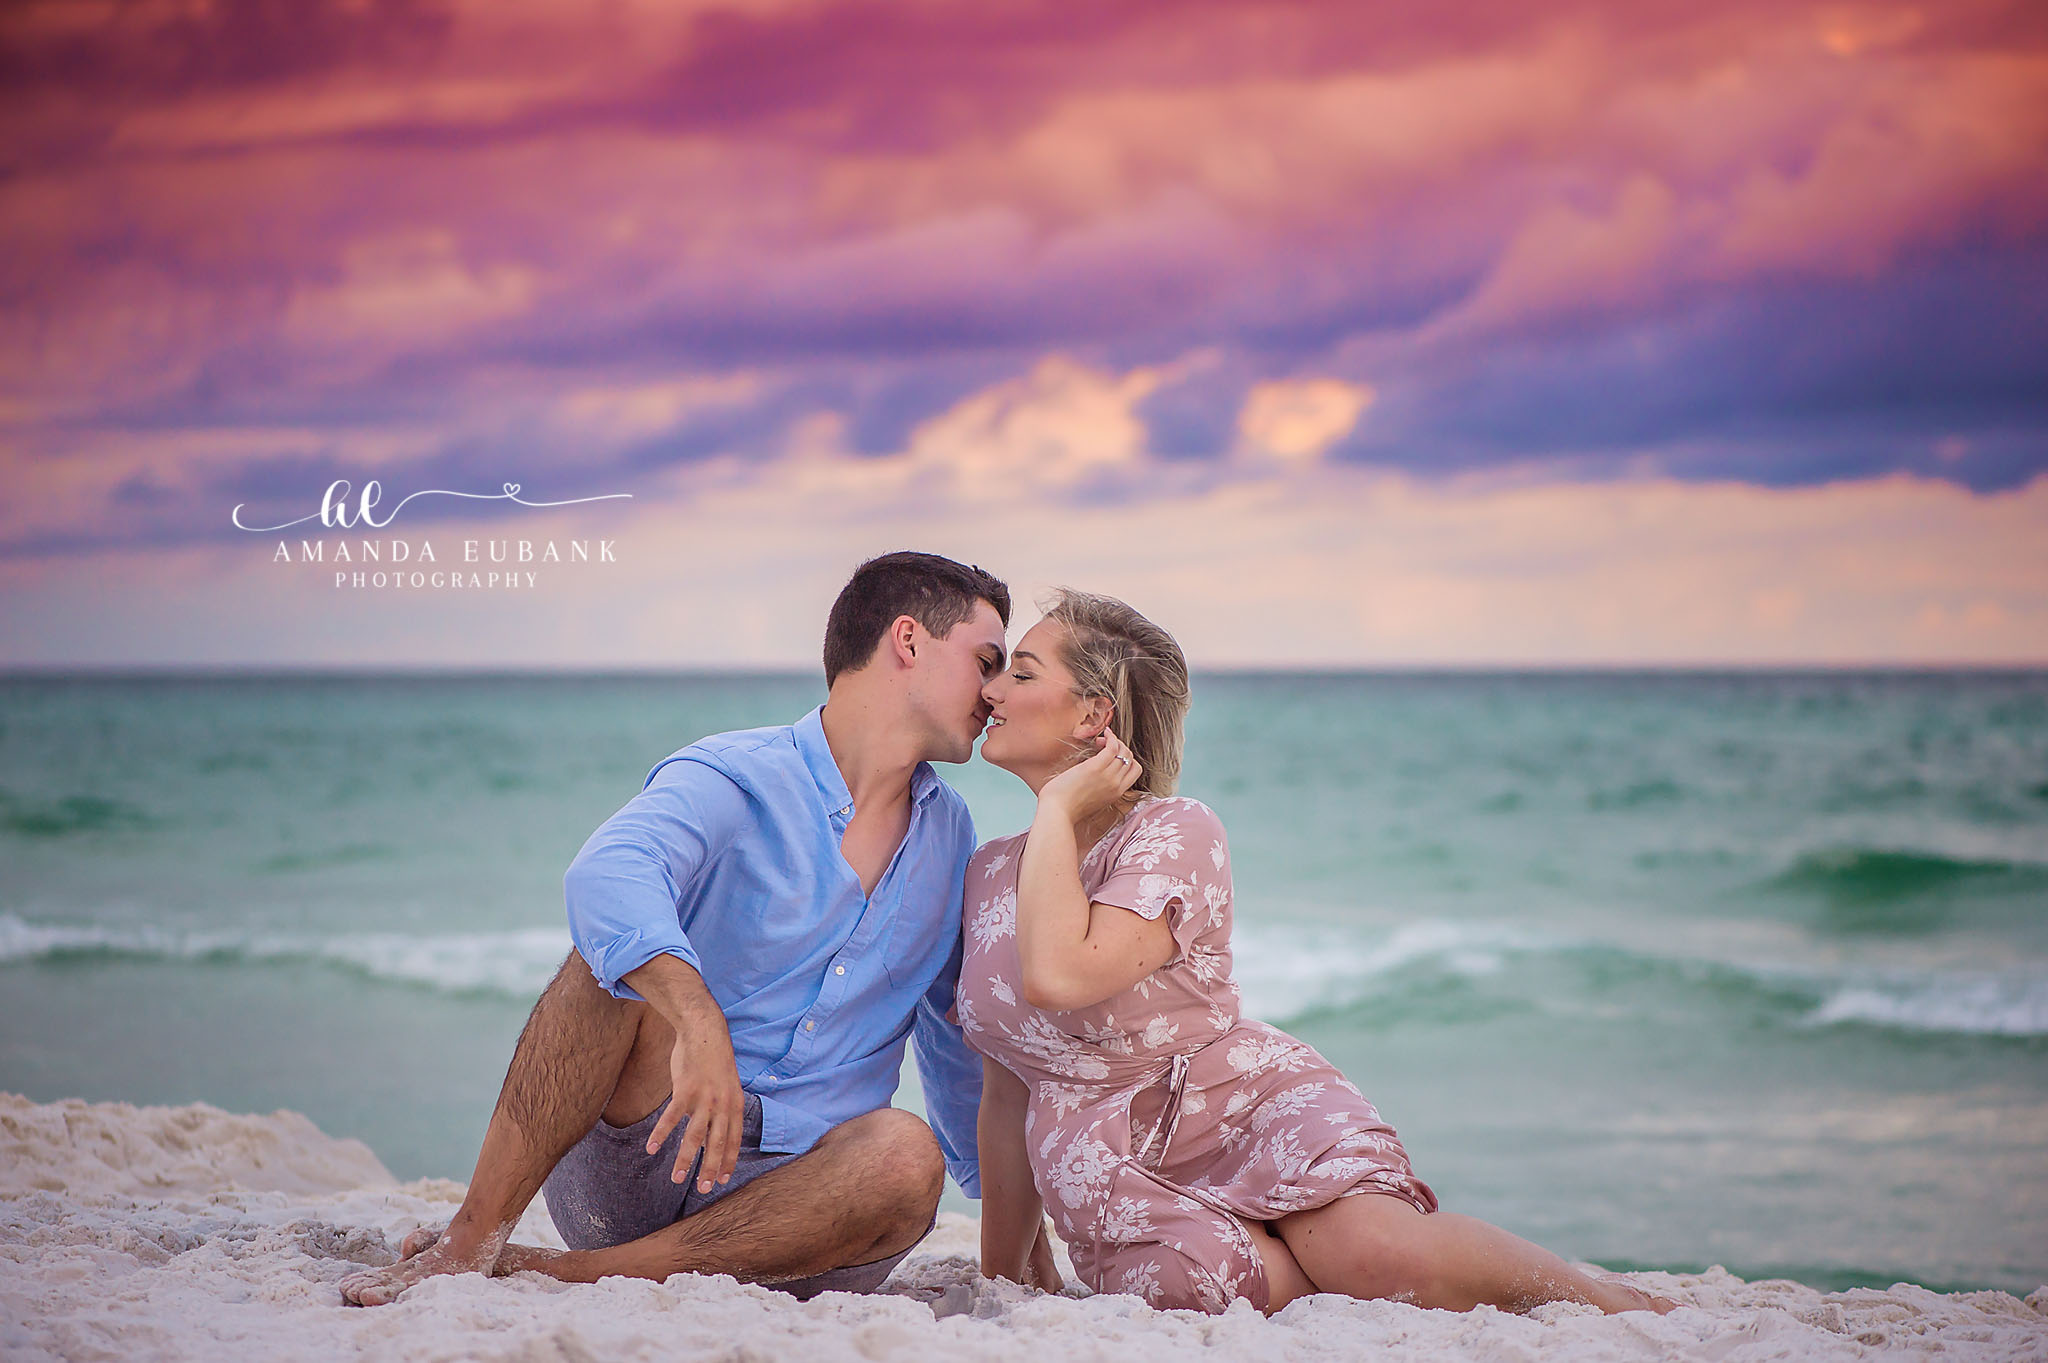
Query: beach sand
[[130, 1233]]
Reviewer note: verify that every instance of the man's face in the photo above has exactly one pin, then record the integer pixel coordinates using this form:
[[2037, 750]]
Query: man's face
[[950, 674]]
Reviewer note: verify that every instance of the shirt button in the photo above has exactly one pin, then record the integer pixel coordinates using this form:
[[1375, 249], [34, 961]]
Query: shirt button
[[838, 970], [769, 1077], [810, 1026]]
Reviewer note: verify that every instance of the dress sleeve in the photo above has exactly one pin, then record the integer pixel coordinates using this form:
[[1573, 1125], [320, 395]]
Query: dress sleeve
[[1175, 862]]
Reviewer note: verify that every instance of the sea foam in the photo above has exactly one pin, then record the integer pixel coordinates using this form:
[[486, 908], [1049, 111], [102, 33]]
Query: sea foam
[[1287, 971], [1284, 971], [1981, 1005], [514, 961]]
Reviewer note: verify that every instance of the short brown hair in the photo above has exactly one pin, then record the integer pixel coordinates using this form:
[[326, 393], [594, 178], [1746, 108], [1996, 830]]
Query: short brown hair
[[936, 592], [1118, 654]]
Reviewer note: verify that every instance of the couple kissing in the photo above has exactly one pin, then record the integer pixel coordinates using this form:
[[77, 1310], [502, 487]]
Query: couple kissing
[[704, 1087]]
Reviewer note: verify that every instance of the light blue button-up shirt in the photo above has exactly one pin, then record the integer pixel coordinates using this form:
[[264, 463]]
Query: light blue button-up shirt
[[729, 858]]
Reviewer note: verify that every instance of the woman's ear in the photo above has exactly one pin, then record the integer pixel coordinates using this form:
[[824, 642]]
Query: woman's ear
[[1100, 711]]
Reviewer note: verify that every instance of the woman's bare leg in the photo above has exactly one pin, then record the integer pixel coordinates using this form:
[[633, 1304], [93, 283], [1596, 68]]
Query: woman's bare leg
[[1373, 1245], [1284, 1279]]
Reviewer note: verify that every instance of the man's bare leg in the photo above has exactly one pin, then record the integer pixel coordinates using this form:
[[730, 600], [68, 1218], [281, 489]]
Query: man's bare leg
[[564, 1072], [867, 1190]]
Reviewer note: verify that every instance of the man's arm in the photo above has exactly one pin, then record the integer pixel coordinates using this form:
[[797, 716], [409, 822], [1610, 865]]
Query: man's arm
[[622, 893], [623, 888], [704, 1081], [951, 1075]]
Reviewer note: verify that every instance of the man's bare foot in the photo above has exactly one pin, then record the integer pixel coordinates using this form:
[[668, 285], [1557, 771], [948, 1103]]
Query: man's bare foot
[[426, 1237], [527, 1259], [423, 1254], [511, 1259]]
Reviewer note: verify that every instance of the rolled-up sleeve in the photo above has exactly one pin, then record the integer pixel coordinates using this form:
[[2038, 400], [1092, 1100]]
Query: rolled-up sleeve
[[623, 888]]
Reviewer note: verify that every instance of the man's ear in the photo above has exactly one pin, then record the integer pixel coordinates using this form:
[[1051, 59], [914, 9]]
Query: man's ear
[[905, 634]]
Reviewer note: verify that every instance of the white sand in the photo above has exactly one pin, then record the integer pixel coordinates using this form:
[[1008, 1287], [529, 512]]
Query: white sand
[[133, 1233]]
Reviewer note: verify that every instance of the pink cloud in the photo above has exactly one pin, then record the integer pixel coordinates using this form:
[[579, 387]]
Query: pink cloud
[[400, 236]]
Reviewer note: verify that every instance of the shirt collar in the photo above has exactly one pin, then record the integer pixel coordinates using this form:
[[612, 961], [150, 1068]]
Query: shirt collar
[[817, 755]]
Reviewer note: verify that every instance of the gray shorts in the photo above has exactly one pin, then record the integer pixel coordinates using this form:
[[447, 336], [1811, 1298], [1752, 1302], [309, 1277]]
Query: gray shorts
[[608, 1190]]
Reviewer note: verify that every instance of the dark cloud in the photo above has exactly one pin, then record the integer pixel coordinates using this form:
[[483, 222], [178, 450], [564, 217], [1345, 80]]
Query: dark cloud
[[883, 410], [753, 429], [70, 72], [1784, 382], [141, 490], [871, 75], [143, 49], [1196, 416]]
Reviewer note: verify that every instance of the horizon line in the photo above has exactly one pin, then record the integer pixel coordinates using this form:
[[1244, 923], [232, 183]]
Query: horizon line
[[427, 671]]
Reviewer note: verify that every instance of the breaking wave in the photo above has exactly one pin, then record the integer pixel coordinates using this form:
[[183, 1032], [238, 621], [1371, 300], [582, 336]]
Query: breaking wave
[[1877, 875], [1284, 973], [1986, 1005], [516, 961]]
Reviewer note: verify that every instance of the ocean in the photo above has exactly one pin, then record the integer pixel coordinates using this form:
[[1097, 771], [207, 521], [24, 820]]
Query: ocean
[[1658, 970]]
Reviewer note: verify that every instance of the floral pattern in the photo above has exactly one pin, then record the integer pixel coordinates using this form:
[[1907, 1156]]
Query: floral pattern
[[1245, 1123]]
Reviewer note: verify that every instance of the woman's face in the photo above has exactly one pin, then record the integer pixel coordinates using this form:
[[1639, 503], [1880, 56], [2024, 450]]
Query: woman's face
[[1037, 723]]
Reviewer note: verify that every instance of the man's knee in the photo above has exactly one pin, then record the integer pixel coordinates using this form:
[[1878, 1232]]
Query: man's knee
[[902, 1157]]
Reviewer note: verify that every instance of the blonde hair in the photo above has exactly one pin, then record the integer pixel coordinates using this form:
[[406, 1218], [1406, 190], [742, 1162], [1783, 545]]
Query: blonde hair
[[1119, 655]]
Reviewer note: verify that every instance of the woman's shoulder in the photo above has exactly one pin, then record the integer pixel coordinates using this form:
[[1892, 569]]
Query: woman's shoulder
[[1162, 828], [993, 855], [1006, 843], [1178, 809]]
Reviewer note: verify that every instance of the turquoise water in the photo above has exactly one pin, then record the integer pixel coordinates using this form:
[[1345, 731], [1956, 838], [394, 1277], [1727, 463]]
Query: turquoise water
[[1655, 969]]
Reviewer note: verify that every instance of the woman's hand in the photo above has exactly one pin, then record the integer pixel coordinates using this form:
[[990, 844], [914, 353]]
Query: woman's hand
[[1094, 783], [1041, 1270]]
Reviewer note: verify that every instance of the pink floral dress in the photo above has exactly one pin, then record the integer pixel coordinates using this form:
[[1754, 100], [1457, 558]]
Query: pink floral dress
[[1160, 1117]]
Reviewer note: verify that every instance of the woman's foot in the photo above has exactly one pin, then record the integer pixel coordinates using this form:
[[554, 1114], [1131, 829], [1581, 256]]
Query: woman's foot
[[1619, 1294]]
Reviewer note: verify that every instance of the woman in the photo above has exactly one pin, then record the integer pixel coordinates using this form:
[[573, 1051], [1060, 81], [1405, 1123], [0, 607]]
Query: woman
[[1187, 1154]]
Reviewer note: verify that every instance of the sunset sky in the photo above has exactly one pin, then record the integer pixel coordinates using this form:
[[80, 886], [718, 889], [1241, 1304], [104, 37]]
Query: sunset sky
[[1326, 333]]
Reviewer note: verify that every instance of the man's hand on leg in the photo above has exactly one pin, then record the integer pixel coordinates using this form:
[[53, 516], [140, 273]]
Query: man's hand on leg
[[704, 1081]]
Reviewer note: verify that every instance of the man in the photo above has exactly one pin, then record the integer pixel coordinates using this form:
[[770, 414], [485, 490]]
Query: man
[[704, 1086]]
